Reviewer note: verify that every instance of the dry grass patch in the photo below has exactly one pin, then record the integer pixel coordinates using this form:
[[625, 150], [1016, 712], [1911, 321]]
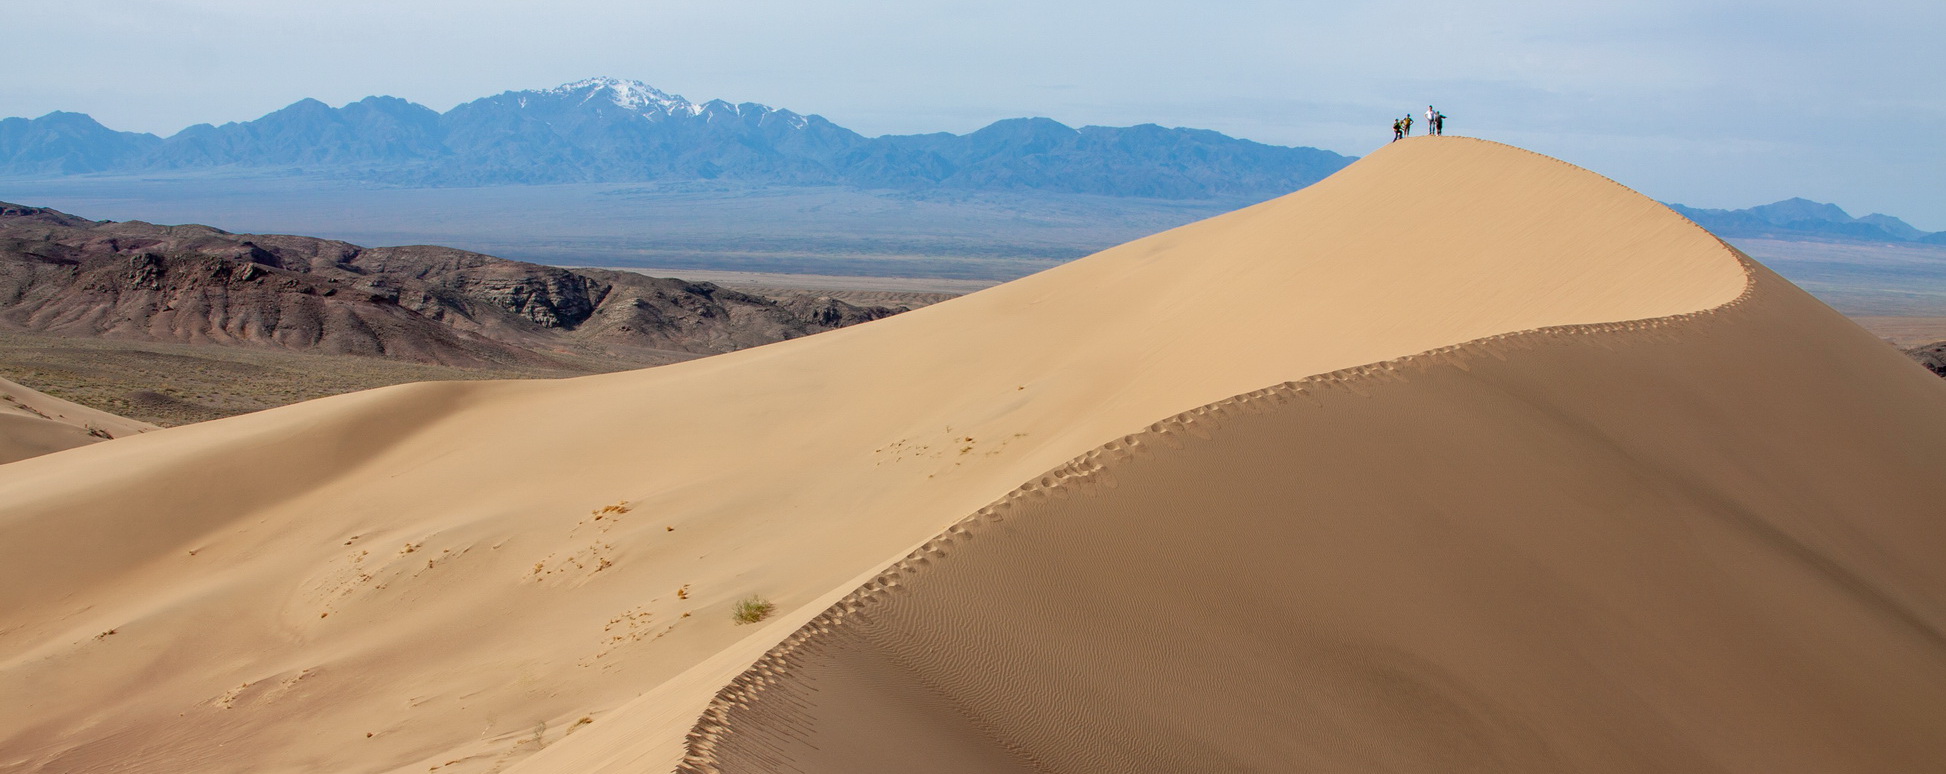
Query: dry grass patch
[[752, 609]]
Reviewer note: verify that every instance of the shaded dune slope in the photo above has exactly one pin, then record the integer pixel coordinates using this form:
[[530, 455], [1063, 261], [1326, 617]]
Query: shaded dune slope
[[414, 578], [1606, 548]]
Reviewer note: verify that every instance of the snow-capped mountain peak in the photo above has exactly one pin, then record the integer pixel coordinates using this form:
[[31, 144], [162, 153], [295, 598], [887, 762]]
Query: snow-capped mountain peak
[[655, 104], [719, 108], [629, 95]]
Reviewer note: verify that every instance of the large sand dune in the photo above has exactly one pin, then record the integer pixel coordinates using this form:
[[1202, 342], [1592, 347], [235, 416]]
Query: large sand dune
[[429, 577], [1627, 549]]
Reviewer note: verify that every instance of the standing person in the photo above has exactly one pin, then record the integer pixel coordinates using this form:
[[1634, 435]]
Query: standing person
[[1397, 133], [1439, 124], [1408, 124], [1432, 124]]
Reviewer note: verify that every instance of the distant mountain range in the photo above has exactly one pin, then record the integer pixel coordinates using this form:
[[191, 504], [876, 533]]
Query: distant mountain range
[[610, 130], [607, 130], [1801, 218]]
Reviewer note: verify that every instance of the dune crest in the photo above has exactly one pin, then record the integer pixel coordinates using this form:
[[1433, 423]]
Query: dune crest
[[1621, 547], [33, 423], [432, 576]]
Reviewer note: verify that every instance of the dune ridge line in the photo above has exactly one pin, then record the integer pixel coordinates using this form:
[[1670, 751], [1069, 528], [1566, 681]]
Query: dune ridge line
[[1092, 469], [406, 549]]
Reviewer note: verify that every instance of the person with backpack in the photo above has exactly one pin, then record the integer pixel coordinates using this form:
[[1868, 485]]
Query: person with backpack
[[1397, 132]]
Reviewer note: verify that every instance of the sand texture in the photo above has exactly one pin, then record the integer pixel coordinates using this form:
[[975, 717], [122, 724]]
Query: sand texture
[[33, 423], [1625, 548], [537, 576]]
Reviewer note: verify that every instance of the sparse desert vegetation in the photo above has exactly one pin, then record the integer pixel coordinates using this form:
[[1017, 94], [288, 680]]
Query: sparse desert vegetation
[[752, 609]]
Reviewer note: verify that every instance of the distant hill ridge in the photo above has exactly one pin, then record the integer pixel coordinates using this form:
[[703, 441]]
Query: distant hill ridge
[[1797, 218], [612, 130], [71, 276]]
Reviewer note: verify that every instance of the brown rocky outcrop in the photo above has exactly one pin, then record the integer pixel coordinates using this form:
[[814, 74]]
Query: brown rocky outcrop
[[68, 275], [1932, 356]]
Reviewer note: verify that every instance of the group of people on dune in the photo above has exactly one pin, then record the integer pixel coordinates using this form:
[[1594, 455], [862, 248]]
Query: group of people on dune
[[1435, 125]]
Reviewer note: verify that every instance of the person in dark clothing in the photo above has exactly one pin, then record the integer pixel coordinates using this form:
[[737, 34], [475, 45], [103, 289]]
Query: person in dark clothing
[[1439, 123], [1397, 132]]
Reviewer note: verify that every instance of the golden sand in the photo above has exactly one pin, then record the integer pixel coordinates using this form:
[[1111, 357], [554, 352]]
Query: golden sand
[[431, 577]]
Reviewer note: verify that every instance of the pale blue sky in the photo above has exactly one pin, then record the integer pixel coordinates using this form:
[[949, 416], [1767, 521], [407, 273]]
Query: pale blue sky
[[1707, 103]]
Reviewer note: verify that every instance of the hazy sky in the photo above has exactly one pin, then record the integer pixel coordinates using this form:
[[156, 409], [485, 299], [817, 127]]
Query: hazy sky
[[1701, 102]]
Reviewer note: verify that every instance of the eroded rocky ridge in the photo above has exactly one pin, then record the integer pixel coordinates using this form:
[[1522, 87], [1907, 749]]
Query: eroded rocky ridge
[[1932, 356], [72, 276]]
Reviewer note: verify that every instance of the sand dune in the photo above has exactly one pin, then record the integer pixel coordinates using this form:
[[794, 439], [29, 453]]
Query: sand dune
[[1628, 549], [33, 423], [429, 577]]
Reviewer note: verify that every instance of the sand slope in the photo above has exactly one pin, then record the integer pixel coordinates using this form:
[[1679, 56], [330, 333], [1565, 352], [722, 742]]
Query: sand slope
[[415, 578], [33, 423], [1615, 550]]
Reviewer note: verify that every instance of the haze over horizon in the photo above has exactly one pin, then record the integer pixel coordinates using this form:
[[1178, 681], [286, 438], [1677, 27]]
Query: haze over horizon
[[1705, 104]]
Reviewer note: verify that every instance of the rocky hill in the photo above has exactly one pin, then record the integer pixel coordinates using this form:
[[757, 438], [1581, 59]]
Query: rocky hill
[[1932, 356], [610, 130], [66, 275]]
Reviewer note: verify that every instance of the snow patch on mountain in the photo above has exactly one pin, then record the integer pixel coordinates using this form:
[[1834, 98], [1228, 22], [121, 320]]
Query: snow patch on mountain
[[634, 96], [648, 100]]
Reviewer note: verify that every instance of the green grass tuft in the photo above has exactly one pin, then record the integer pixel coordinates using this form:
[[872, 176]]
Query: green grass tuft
[[752, 610]]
